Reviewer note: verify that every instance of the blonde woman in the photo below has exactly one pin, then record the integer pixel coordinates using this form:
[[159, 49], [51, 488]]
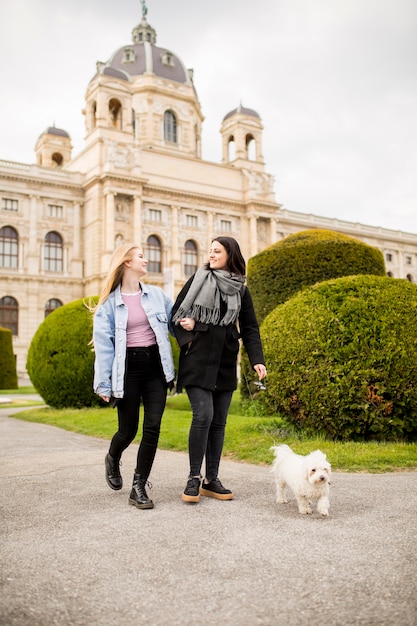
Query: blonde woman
[[133, 363]]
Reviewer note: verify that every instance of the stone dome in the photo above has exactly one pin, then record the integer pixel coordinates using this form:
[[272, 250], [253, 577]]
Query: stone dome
[[243, 111], [52, 130], [142, 56], [146, 58]]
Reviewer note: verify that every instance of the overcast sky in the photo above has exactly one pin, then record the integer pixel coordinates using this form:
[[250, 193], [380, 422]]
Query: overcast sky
[[334, 81]]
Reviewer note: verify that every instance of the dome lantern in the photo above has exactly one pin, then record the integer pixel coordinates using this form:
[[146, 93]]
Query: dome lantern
[[144, 31]]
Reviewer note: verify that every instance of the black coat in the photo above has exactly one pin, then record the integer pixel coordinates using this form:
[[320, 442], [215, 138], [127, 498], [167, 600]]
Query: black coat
[[209, 353]]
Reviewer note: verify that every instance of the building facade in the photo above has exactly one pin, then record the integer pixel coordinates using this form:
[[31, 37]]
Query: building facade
[[140, 178]]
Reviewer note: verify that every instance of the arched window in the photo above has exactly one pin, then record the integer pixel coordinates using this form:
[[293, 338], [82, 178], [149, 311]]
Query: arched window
[[9, 314], [51, 305], [57, 159], [250, 148], [93, 114], [9, 249], [190, 258], [154, 254], [115, 111], [170, 127], [133, 122], [410, 278], [53, 252], [231, 149]]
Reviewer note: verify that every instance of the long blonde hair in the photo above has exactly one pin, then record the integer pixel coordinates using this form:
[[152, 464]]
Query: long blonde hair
[[115, 275]]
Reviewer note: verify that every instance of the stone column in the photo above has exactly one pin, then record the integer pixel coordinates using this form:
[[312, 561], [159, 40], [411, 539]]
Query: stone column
[[77, 231], [175, 254], [253, 236], [108, 231], [34, 260], [210, 222], [272, 231], [137, 221], [109, 222]]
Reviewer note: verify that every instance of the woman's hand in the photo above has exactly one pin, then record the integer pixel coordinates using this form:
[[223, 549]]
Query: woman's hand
[[187, 323], [105, 398], [260, 369]]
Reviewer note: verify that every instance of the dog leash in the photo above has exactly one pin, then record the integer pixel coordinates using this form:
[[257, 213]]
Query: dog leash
[[261, 384]]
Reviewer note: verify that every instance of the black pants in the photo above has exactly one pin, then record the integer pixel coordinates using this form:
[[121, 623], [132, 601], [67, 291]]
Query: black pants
[[206, 438], [144, 381]]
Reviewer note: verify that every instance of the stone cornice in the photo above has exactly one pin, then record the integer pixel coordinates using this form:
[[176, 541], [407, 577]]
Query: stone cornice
[[116, 179], [37, 176], [309, 220], [209, 202]]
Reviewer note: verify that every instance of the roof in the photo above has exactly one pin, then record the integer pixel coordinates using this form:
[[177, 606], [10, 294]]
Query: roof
[[52, 130], [141, 58], [242, 111]]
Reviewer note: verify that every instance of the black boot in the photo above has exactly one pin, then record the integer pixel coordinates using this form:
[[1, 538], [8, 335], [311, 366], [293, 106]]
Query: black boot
[[113, 476], [138, 496]]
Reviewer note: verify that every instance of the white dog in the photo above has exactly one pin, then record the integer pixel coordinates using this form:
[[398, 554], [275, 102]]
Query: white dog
[[307, 476]]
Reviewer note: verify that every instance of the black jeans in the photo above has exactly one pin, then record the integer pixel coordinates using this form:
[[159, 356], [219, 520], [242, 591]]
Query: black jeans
[[206, 438], [144, 381]]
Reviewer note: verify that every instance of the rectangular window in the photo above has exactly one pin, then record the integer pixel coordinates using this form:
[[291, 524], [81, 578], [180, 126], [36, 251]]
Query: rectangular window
[[191, 221], [388, 257], [408, 260], [225, 226], [155, 215], [55, 210], [8, 204]]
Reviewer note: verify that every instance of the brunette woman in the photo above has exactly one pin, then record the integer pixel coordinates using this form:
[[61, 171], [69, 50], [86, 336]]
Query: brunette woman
[[212, 312]]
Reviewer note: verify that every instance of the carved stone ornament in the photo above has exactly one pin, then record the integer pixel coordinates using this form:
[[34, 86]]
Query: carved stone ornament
[[122, 156], [122, 208], [260, 183]]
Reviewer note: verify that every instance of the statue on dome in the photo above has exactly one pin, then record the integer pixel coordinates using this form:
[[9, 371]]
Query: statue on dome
[[144, 8]]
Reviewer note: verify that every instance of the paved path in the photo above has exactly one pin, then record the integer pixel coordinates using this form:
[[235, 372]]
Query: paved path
[[73, 553]]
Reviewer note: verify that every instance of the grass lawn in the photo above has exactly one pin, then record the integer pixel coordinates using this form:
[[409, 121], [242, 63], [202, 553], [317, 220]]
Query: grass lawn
[[247, 438]]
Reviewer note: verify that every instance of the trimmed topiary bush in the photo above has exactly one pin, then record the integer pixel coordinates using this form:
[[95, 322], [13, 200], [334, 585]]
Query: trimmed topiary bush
[[342, 359], [60, 361], [175, 352], [298, 261], [8, 374], [304, 259]]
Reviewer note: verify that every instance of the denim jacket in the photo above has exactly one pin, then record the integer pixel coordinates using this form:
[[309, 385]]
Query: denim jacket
[[109, 336]]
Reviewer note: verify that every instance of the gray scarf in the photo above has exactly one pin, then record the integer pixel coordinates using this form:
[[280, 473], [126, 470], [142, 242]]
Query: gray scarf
[[202, 302]]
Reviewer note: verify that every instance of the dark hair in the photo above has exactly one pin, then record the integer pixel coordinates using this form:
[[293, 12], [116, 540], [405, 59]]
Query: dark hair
[[235, 261]]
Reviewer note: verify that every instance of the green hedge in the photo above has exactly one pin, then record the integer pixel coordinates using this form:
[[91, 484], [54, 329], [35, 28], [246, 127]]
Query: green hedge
[[295, 263], [60, 361], [175, 352], [304, 259], [8, 374], [342, 359]]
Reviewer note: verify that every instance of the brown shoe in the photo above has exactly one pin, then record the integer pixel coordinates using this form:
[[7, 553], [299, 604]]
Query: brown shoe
[[192, 490], [214, 489]]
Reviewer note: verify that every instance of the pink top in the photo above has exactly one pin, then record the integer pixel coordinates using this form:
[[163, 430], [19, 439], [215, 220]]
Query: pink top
[[138, 331]]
